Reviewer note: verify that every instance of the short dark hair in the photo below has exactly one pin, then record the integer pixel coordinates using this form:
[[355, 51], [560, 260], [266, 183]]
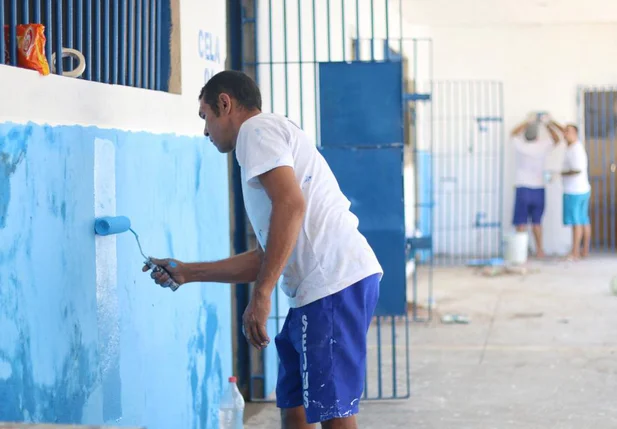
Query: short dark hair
[[573, 126], [236, 84]]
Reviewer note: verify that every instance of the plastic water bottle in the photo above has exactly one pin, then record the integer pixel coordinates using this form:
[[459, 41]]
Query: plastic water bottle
[[231, 410]]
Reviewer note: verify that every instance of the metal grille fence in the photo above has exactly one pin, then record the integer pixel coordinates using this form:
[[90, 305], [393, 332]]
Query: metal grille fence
[[283, 44], [598, 129], [468, 151]]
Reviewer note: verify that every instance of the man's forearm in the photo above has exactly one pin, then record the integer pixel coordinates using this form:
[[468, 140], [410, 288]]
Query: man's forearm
[[519, 128], [242, 268], [570, 172], [285, 223], [556, 125], [553, 133]]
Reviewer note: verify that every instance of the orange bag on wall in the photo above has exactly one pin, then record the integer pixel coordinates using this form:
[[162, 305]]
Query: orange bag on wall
[[30, 47]]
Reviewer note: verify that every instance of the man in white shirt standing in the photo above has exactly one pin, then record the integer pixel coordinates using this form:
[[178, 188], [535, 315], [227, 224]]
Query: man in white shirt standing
[[307, 234], [531, 152], [576, 192]]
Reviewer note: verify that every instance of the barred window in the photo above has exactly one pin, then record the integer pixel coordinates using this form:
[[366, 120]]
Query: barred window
[[124, 42]]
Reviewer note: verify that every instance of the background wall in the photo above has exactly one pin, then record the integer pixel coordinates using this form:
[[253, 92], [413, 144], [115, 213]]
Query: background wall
[[541, 50], [86, 336]]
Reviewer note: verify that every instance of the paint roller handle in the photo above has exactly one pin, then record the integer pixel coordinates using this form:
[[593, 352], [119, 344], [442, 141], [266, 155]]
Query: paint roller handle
[[171, 284]]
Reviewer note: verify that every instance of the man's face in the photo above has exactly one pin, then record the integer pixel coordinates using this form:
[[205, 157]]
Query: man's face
[[570, 134], [218, 128]]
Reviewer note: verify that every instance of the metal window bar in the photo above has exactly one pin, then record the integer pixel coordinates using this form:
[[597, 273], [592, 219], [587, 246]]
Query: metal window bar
[[68, 32], [122, 40], [58, 38], [2, 41], [13, 32]]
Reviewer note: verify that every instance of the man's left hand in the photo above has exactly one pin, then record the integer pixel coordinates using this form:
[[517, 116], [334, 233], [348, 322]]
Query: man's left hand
[[255, 319]]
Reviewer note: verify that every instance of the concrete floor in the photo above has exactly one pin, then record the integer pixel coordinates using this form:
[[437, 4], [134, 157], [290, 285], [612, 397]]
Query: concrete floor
[[540, 352]]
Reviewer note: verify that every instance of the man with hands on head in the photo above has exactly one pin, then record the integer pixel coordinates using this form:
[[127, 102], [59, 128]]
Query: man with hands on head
[[307, 234], [531, 152]]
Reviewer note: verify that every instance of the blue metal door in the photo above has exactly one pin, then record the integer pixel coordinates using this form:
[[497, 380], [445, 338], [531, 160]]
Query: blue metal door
[[361, 137], [598, 127]]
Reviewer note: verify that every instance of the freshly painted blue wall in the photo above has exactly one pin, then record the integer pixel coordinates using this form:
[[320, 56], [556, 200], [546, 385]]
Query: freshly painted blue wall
[[174, 349]]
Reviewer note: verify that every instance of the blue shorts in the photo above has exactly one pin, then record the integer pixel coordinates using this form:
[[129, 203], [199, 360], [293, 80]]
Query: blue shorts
[[576, 209], [528, 205], [322, 352]]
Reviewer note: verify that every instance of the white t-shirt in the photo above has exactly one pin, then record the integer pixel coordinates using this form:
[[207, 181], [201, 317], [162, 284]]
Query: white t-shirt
[[530, 161], [330, 253], [575, 159]]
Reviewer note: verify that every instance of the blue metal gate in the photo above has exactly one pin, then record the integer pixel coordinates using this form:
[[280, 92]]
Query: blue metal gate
[[598, 128], [361, 137], [305, 56], [457, 138], [468, 145]]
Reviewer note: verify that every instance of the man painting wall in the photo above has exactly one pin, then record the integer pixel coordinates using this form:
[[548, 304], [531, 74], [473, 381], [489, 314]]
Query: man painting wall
[[307, 233], [531, 151]]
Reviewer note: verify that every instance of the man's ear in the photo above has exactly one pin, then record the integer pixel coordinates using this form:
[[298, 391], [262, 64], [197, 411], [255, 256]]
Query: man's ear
[[224, 103]]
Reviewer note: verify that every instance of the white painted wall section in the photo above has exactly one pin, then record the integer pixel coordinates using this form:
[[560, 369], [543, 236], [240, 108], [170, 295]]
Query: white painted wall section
[[108, 311]]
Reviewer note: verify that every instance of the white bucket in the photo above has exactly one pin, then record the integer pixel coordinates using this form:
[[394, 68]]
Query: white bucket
[[516, 248]]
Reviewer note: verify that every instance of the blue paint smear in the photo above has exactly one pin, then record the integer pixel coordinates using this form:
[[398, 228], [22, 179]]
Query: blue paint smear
[[203, 391], [197, 170], [22, 399], [13, 147], [112, 399], [170, 246]]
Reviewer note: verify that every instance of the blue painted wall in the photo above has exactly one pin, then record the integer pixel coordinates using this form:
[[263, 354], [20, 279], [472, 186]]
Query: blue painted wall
[[174, 349]]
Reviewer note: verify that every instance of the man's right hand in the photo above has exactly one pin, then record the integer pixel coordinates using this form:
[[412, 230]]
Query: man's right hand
[[175, 268]]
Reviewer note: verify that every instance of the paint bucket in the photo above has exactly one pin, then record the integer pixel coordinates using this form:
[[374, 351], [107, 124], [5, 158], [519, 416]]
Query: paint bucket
[[516, 246]]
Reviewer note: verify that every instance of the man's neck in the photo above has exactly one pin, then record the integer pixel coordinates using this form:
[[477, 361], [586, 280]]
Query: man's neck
[[241, 117], [246, 114]]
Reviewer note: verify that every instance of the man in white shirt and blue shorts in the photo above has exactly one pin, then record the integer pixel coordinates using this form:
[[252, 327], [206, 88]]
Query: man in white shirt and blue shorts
[[531, 150], [576, 193], [307, 234]]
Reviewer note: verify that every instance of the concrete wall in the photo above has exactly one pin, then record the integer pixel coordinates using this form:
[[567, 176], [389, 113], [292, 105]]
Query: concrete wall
[[540, 50], [86, 336]]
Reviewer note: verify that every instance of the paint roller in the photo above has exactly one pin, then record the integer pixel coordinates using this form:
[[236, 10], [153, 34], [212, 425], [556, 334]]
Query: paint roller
[[112, 225], [109, 225]]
